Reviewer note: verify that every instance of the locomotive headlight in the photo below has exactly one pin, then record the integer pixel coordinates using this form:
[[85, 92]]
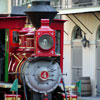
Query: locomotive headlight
[[45, 42]]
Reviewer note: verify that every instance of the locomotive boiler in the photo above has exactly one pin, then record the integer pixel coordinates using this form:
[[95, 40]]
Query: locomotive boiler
[[36, 52]]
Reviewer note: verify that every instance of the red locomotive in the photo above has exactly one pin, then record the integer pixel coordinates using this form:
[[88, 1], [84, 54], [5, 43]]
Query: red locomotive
[[35, 54]]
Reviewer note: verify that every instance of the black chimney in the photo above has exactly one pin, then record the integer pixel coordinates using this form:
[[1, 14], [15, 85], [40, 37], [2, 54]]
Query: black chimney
[[40, 9]]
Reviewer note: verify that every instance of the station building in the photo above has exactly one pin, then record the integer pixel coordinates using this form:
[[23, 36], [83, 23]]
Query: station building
[[82, 41]]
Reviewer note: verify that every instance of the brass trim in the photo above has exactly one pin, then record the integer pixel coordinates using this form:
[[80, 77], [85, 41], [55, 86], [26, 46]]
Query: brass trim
[[21, 35], [20, 41], [18, 65], [15, 57], [22, 47], [30, 47], [30, 38]]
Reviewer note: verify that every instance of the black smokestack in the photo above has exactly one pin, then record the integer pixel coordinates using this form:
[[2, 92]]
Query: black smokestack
[[40, 9]]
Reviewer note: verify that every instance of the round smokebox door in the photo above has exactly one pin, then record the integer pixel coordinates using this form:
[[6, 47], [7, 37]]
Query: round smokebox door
[[42, 76]]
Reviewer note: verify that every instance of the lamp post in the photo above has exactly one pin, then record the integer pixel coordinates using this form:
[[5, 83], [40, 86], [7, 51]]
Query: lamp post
[[85, 42]]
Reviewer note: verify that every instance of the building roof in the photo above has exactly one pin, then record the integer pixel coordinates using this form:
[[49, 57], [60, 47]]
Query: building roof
[[78, 10]]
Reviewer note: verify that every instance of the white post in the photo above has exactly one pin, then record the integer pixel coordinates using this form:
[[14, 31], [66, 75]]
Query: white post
[[89, 65]]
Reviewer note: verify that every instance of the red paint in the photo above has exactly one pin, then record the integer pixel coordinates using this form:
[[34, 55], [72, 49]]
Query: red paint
[[68, 96], [12, 95], [45, 97], [61, 49], [30, 41], [58, 24], [12, 44], [12, 22], [22, 39], [27, 41], [44, 29], [44, 75]]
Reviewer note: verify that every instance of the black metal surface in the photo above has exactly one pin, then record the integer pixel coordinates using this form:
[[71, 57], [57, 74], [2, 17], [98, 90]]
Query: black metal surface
[[47, 2], [40, 10], [38, 96], [64, 87], [24, 85]]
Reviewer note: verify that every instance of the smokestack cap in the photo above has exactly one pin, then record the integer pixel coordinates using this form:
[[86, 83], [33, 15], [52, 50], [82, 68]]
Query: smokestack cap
[[40, 10]]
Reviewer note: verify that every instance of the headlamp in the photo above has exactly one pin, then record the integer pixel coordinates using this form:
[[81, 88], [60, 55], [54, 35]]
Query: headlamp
[[45, 42]]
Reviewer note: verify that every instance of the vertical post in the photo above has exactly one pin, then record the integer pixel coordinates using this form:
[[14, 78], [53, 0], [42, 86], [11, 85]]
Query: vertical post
[[67, 3], [6, 55], [61, 50]]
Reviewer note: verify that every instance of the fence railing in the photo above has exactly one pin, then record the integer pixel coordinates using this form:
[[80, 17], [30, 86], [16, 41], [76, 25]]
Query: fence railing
[[54, 3], [79, 3], [20, 2], [62, 4]]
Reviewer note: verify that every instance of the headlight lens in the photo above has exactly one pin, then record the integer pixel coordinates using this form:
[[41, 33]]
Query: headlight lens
[[45, 42]]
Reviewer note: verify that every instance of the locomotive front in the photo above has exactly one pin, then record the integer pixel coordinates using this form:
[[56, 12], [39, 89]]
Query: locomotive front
[[41, 70], [34, 59]]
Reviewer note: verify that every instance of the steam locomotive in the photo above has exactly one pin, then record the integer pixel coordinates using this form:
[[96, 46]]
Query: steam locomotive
[[35, 53]]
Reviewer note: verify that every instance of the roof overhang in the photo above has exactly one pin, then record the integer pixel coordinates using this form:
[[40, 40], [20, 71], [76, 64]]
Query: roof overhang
[[78, 10]]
